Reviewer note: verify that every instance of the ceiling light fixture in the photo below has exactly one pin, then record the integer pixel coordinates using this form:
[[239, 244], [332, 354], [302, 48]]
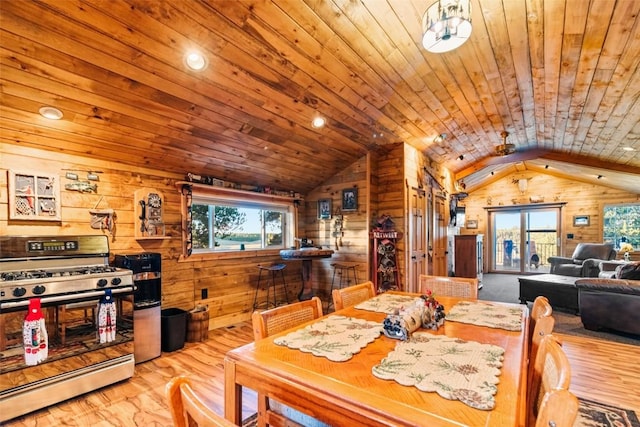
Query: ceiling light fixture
[[195, 60], [446, 25], [50, 113], [505, 149], [628, 149], [440, 138], [318, 122]]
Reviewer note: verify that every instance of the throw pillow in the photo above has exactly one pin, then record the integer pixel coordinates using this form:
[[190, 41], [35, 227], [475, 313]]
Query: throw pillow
[[630, 271]]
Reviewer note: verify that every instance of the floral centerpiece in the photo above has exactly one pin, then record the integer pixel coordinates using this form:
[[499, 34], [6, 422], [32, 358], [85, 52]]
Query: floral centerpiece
[[433, 315], [625, 248]]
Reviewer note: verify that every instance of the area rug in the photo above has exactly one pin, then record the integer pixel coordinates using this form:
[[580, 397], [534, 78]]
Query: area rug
[[595, 414]]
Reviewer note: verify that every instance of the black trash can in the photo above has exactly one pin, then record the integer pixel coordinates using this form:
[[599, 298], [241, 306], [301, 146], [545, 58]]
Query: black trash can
[[173, 324]]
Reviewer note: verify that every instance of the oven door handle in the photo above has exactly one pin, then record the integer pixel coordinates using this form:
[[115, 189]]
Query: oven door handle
[[66, 298]]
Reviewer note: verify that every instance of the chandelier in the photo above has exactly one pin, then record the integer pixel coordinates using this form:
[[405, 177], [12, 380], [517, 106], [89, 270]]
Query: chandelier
[[446, 25], [505, 149]]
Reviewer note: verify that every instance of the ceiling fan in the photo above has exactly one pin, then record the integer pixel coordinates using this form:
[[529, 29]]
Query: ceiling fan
[[505, 148]]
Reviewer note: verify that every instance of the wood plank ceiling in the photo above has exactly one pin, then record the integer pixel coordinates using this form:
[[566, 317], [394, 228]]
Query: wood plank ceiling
[[561, 76]]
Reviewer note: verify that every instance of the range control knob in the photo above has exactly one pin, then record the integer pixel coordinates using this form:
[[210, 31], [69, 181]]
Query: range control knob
[[116, 281], [102, 283], [19, 292], [39, 290]]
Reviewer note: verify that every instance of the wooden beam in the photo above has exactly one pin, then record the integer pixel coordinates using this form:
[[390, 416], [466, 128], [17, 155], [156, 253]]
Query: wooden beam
[[489, 161]]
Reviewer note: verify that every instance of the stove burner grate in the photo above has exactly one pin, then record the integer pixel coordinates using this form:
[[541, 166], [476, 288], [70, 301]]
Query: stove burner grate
[[10, 276]]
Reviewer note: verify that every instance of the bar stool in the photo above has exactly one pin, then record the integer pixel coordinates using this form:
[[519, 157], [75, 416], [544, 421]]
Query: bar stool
[[343, 271], [271, 272]]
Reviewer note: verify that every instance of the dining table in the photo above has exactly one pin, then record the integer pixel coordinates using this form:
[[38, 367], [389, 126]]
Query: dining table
[[345, 392]]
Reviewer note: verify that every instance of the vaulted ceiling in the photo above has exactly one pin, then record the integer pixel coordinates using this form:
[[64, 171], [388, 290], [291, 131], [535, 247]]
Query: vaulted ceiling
[[560, 76]]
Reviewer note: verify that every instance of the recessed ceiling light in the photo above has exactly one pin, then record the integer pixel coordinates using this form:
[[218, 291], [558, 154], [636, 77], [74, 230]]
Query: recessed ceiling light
[[50, 113], [195, 60], [318, 122], [628, 149]]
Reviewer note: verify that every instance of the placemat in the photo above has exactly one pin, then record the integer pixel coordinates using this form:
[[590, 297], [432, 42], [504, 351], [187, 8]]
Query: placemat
[[387, 303], [486, 314], [337, 338], [455, 369]]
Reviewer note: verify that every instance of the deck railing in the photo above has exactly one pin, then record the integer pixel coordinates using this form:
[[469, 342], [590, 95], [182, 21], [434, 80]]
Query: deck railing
[[543, 250]]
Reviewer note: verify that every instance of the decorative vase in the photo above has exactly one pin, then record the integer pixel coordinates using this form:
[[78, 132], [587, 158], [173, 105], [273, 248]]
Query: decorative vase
[[627, 257]]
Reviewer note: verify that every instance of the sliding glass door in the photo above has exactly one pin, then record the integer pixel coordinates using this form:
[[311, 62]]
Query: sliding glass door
[[521, 239], [506, 240]]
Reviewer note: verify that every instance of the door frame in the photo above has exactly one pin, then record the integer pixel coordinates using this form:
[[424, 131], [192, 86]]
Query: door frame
[[521, 209]]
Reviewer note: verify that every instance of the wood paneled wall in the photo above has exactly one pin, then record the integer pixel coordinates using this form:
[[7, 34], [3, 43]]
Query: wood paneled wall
[[391, 196], [230, 282], [353, 246], [580, 199], [381, 178]]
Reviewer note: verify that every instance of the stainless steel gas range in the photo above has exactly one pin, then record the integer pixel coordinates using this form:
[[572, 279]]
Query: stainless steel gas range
[[66, 320]]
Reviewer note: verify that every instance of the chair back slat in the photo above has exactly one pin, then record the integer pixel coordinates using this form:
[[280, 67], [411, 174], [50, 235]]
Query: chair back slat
[[461, 287], [352, 295]]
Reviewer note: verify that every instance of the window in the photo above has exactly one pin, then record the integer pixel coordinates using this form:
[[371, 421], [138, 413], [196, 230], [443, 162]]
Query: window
[[622, 224], [230, 225], [224, 220]]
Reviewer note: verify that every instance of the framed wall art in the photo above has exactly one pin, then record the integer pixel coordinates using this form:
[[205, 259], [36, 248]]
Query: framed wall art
[[324, 209], [581, 220], [350, 199], [471, 224], [34, 196]]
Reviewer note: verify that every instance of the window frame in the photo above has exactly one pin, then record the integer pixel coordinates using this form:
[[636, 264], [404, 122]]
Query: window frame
[[616, 205], [237, 198]]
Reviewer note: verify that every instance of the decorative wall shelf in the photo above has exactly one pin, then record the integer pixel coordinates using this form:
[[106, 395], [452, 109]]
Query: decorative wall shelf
[[230, 192]]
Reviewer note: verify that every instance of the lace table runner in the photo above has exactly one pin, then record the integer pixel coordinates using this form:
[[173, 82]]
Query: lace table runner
[[486, 314], [387, 303], [455, 369], [337, 338]]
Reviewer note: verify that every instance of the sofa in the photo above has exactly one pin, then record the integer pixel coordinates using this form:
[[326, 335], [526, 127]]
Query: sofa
[[612, 303], [608, 268], [585, 260]]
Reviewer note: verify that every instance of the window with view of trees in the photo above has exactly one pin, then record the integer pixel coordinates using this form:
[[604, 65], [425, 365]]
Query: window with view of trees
[[230, 225], [622, 224]]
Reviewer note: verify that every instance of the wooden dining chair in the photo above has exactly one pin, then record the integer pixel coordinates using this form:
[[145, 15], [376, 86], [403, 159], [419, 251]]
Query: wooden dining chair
[[541, 307], [541, 323], [187, 407], [551, 372], [352, 295], [446, 286], [559, 408], [270, 322]]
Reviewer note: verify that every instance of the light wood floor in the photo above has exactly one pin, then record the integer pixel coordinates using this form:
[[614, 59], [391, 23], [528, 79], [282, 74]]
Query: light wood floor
[[603, 371]]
